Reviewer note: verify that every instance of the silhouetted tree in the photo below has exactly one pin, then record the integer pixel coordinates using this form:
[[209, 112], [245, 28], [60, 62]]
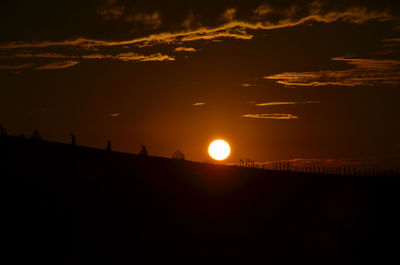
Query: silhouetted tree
[[3, 130], [108, 145], [36, 135], [73, 139], [143, 150], [178, 155]]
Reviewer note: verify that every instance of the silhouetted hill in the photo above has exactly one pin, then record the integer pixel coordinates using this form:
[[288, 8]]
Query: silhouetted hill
[[73, 205]]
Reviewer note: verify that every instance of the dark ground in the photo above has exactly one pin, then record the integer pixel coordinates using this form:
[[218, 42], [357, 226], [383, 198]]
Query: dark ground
[[76, 205]]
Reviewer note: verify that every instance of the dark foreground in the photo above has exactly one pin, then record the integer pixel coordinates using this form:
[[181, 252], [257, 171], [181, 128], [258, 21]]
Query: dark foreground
[[74, 205]]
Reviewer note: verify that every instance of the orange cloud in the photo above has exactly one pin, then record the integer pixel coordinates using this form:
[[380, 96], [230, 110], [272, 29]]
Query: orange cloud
[[366, 72], [114, 12], [15, 67], [198, 104], [262, 10], [114, 115], [232, 29], [184, 49], [130, 56], [42, 55], [152, 20], [392, 42], [285, 103], [273, 116], [143, 58], [57, 65], [229, 14]]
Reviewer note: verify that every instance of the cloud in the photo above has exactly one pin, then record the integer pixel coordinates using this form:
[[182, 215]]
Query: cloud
[[232, 29], [262, 10], [392, 42], [130, 56], [365, 72], [286, 103], [272, 116], [42, 55], [189, 22], [57, 65], [114, 115], [15, 67], [143, 58], [184, 49], [198, 104], [229, 14], [114, 12], [151, 20]]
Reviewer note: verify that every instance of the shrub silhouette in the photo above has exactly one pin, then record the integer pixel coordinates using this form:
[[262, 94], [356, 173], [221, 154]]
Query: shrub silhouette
[[73, 139], [3, 130], [36, 135], [178, 155], [143, 151]]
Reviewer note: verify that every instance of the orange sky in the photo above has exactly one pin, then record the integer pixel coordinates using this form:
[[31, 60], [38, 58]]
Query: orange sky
[[279, 80]]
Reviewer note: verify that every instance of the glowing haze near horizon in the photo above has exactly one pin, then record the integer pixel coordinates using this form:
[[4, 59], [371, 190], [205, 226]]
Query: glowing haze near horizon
[[301, 81]]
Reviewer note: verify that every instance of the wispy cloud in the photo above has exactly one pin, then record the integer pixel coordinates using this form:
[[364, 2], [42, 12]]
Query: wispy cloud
[[229, 14], [262, 10], [392, 42], [114, 115], [184, 49], [57, 65], [111, 12], [42, 55], [16, 67], [286, 103], [246, 85], [198, 104], [121, 56], [151, 20], [158, 57], [128, 57], [365, 72], [272, 116], [233, 29]]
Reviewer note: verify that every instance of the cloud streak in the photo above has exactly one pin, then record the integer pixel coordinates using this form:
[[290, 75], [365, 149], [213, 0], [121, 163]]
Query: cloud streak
[[57, 65], [121, 56], [16, 67], [365, 72], [272, 116], [199, 104], [234, 29], [285, 103], [184, 49]]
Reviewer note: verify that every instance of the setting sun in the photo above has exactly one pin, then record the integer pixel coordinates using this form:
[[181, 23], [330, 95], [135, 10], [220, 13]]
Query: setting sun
[[219, 150]]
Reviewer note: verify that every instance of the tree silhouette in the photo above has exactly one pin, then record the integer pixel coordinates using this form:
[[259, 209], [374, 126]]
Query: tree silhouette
[[143, 151], [36, 135], [73, 139], [178, 155], [108, 145], [3, 130]]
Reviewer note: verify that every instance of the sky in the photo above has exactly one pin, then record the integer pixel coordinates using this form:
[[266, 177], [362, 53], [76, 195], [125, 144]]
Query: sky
[[300, 81]]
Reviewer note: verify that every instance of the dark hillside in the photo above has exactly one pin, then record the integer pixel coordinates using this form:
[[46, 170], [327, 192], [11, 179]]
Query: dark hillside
[[66, 204]]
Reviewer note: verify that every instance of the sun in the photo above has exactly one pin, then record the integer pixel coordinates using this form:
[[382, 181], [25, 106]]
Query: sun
[[219, 150]]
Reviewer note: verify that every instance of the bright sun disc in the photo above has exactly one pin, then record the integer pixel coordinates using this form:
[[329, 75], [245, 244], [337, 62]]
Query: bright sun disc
[[219, 150]]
